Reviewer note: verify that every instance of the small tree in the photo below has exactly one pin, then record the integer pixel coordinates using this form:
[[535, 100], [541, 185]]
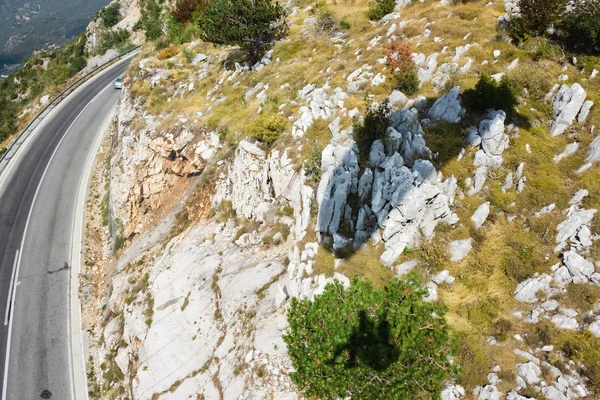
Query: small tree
[[368, 343], [581, 26], [111, 14], [490, 94], [380, 8], [399, 58], [538, 15], [250, 24]]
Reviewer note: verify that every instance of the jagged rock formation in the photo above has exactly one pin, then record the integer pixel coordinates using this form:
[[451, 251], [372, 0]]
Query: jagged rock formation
[[149, 164], [408, 197]]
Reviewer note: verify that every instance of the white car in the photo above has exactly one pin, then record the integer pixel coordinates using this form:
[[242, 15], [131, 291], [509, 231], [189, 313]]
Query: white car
[[118, 83]]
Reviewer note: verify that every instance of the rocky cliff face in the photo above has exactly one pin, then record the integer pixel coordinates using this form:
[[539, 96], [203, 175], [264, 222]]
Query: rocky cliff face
[[130, 14], [499, 223]]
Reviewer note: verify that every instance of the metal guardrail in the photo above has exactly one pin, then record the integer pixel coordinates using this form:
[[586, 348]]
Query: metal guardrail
[[39, 117]]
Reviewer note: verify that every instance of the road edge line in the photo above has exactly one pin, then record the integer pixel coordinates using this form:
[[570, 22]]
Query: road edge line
[[77, 347], [4, 174], [35, 195]]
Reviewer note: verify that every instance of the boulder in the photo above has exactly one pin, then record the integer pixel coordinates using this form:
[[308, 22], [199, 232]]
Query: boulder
[[489, 392], [552, 393], [459, 249], [564, 322], [364, 184], [565, 106], [452, 392], [580, 268], [585, 110], [493, 139], [594, 151], [594, 328], [397, 98], [377, 154], [480, 215], [527, 290], [576, 218], [529, 372], [448, 107]]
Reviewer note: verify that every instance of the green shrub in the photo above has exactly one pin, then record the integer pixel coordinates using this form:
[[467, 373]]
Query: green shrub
[[168, 52], [252, 25], [111, 15], [189, 56], [344, 24], [380, 8], [406, 80], [368, 343], [581, 296], [533, 77], [373, 127], [490, 94], [312, 164], [150, 20], [266, 128], [581, 26], [537, 15], [115, 39]]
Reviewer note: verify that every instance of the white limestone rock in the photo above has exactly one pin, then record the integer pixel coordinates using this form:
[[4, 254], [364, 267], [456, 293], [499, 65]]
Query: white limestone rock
[[480, 215], [529, 372], [564, 322], [493, 139], [459, 249], [580, 268], [585, 110], [565, 106], [448, 107], [489, 392], [453, 392], [527, 290]]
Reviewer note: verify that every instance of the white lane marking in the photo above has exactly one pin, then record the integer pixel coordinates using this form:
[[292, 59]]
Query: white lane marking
[[12, 311], [77, 355], [99, 93], [10, 288]]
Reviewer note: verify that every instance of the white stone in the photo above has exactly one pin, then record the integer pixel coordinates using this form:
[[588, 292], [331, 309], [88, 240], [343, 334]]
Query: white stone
[[480, 215], [566, 105], [529, 372], [448, 107], [459, 249]]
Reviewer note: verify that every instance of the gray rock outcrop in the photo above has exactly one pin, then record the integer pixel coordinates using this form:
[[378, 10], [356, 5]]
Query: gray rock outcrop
[[565, 106], [448, 107]]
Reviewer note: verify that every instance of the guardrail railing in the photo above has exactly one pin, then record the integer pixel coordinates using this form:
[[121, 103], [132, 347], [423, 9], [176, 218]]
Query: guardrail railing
[[12, 149]]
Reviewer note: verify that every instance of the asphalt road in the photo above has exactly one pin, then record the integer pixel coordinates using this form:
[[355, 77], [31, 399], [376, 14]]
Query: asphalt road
[[52, 166]]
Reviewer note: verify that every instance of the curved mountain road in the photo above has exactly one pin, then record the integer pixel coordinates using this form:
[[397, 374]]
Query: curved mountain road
[[38, 208]]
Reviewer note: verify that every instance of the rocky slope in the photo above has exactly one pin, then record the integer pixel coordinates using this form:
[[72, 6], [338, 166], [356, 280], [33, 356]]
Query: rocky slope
[[496, 212]]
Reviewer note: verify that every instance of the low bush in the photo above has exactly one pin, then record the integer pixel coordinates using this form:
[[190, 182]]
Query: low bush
[[111, 15], [398, 57], [536, 16], [369, 343], [115, 39], [182, 10], [406, 80], [266, 128], [168, 52], [581, 26], [581, 296], [312, 164], [380, 8], [533, 77], [434, 255], [373, 127], [490, 94]]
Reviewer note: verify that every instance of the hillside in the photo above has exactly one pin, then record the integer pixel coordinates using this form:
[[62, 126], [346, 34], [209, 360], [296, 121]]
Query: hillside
[[226, 188], [27, 26]]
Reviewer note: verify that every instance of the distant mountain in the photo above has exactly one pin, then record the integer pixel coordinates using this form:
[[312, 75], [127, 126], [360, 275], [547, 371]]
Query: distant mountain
[[32, 25]]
